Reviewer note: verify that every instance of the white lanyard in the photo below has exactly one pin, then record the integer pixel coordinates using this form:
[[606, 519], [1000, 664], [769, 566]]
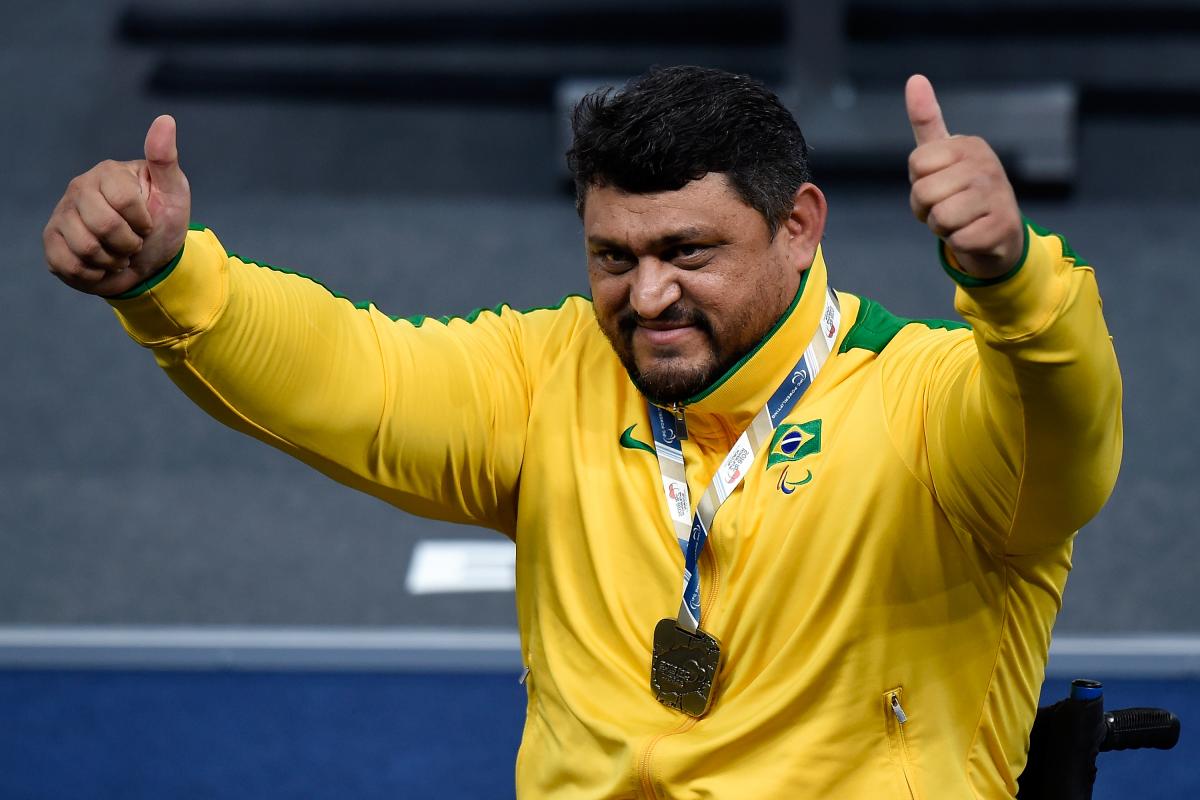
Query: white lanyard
[[692, 531]]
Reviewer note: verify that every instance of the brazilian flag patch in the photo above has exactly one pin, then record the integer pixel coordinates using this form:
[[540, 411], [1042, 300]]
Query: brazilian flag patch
[[794, 442]]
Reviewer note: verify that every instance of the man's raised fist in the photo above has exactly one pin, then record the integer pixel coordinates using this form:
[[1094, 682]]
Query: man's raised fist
[[121, 221], [960, 191]]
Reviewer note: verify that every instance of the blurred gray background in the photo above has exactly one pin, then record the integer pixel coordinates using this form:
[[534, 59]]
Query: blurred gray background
[[411, 154]]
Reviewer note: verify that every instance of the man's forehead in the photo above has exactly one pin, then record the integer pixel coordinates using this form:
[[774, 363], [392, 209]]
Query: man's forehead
[[708, 206]]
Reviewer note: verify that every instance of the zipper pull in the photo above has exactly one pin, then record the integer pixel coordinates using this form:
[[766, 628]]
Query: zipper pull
[[901, 717], [680, 420], [524, 676]]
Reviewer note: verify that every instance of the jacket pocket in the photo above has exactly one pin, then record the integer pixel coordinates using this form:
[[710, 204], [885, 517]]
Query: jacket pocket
[[897, 720]]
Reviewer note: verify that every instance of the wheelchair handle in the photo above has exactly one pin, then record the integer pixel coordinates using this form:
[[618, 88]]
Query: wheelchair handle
[[1133, 728]]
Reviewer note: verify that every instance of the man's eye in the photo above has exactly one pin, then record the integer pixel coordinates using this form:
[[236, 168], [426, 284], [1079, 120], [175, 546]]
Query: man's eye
[[612, 259], [689, 253]]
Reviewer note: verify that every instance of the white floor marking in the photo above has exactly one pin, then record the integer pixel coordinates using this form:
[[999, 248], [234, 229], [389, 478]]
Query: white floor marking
[[462, 565]]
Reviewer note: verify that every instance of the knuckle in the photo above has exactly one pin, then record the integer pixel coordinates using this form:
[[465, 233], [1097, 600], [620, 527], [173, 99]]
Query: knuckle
[[959, 244], [101, 223], [122, 193], [979, 185], [109, 225], [123, 199], [918, 205], [90, 250], [935, 223], [78, 192], [978, 148], [964, 242], [921, 190], [71, 269], [926, 159]]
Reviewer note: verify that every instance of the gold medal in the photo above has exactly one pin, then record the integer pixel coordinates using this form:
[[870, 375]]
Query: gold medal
[[683, 668]]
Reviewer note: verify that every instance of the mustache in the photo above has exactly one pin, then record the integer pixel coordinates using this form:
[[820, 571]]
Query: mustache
[[629, 320]]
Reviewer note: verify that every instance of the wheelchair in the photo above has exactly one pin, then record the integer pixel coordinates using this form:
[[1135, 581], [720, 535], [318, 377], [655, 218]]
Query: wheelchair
[[1067, 737]]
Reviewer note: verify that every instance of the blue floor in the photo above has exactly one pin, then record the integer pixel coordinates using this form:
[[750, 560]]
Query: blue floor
[[185, 735], [133, 735]]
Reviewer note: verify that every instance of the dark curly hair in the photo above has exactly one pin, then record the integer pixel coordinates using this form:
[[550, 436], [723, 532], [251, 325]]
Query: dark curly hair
[[673, 125]]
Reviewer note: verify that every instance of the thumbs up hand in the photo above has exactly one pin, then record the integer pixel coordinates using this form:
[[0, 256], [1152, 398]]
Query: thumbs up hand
[[121, 222], [960, 191]]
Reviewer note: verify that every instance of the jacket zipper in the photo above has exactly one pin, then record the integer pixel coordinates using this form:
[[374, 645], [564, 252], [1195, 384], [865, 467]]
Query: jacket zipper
[[680, 415], [644, 765], [900, 740]]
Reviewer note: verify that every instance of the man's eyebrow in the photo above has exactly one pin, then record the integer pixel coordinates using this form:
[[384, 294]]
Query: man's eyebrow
[[661, 243]]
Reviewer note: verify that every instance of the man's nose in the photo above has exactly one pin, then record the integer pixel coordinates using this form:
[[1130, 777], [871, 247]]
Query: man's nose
[[655, 288]]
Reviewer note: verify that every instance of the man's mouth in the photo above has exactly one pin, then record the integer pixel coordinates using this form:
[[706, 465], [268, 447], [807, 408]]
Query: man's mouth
[[661, 335], [670, 329]]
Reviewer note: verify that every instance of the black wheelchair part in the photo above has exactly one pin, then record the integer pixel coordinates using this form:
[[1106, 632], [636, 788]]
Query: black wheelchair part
[[1067, 737]]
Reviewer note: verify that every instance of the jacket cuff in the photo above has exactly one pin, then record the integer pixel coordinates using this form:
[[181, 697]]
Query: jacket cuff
[[1024, 301], [962, 278], [184, 298]]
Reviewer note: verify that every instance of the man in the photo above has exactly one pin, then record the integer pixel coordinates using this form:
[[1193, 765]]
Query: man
[[869, 582]]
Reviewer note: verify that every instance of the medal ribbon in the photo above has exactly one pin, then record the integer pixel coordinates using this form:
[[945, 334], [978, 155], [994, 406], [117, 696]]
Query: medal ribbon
[[691, 531]]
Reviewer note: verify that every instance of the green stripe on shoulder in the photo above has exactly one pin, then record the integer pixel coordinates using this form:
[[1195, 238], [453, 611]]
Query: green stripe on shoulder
[[360, 304], [419, 319], [876, 327]]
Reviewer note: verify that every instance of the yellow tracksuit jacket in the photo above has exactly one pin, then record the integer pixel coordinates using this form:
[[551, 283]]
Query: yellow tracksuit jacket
[[884, 593]]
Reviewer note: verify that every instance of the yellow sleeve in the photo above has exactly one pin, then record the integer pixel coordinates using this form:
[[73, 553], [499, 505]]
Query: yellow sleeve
[[1022, 419], [429, 415]]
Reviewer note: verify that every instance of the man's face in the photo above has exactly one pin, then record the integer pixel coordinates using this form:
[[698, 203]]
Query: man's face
[[686, 282]]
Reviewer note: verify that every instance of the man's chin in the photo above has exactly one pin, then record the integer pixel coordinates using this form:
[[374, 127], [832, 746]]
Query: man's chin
[[671, 381], [664, 375]]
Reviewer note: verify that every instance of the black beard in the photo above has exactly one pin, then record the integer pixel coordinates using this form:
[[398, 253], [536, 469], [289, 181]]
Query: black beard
[[670, 389], [678, 385]]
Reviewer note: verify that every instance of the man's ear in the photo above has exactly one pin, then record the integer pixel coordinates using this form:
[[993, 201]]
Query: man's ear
[[805, 226]]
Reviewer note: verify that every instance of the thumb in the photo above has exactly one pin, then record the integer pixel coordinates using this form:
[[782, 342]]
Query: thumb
[[924, 113], [162, 157]]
